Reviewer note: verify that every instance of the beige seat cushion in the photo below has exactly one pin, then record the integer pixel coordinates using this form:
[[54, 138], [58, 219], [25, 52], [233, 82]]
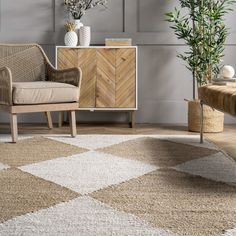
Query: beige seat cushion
[[44, 92], [219, 97]]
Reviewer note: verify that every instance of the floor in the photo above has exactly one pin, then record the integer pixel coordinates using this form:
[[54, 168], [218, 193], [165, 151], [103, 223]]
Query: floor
[[225, 140]]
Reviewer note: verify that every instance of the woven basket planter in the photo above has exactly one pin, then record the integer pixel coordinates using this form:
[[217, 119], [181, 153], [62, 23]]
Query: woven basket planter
[[213, 119]]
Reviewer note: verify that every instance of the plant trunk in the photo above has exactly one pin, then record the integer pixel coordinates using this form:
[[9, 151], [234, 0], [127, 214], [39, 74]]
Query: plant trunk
[[194, 52]]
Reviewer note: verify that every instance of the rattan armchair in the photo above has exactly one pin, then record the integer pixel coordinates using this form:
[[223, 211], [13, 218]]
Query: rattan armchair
[[29, 83]]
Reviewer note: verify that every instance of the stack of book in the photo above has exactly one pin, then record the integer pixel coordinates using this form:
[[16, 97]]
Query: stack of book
[[225, 82], [118, 42]]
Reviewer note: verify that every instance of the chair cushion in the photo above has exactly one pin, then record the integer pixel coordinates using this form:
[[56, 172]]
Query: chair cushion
[[44, 92], [219, 97]]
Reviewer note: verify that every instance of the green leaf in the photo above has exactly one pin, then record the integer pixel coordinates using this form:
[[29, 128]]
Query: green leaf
[[203, 30]]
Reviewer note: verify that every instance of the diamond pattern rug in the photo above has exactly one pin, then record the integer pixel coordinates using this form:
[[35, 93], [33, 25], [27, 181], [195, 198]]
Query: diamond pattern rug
[[116, 185]]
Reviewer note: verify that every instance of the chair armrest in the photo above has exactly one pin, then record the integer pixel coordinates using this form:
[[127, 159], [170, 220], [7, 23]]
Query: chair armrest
[[5, 86], [70, 76]]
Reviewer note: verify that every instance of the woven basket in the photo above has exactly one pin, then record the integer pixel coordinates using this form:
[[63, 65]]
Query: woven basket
[[213, 119]]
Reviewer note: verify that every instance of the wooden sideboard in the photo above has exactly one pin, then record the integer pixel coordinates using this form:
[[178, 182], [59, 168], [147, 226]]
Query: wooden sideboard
[[109, 76]]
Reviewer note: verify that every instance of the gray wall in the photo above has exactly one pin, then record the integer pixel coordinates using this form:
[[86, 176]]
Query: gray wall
[[163, 80]]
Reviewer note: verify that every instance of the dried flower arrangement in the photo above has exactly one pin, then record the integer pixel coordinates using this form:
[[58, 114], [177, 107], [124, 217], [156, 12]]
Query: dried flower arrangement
[[70, 26], [77, 8]]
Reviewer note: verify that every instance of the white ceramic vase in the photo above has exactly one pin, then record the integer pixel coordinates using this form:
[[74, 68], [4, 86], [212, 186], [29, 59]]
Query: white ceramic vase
[[71, 39], [85, 36]]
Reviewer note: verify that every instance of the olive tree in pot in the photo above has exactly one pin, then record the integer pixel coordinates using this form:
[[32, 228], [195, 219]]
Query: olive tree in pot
[[203, 30]]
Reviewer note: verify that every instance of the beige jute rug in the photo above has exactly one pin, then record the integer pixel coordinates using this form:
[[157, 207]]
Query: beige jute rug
[[116, 185]]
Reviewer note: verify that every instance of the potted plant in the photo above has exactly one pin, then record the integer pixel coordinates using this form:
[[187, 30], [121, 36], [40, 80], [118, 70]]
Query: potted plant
[[204, 31], [77, 8]]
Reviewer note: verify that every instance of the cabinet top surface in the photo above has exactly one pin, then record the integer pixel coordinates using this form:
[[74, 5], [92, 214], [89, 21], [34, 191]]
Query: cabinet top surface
[[79, 47]]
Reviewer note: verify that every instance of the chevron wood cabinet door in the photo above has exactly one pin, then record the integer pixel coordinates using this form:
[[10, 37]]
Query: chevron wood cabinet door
[[125, 78], [106, 78], [109, 76], [87, 62]]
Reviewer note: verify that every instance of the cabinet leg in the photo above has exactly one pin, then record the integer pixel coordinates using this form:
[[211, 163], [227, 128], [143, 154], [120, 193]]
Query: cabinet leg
[[132, 119], [14, 129]]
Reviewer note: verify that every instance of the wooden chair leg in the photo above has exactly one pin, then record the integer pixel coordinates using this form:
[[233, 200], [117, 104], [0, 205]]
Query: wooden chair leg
[[14, 130], [49, 119], [73, 123], [60, 118]]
